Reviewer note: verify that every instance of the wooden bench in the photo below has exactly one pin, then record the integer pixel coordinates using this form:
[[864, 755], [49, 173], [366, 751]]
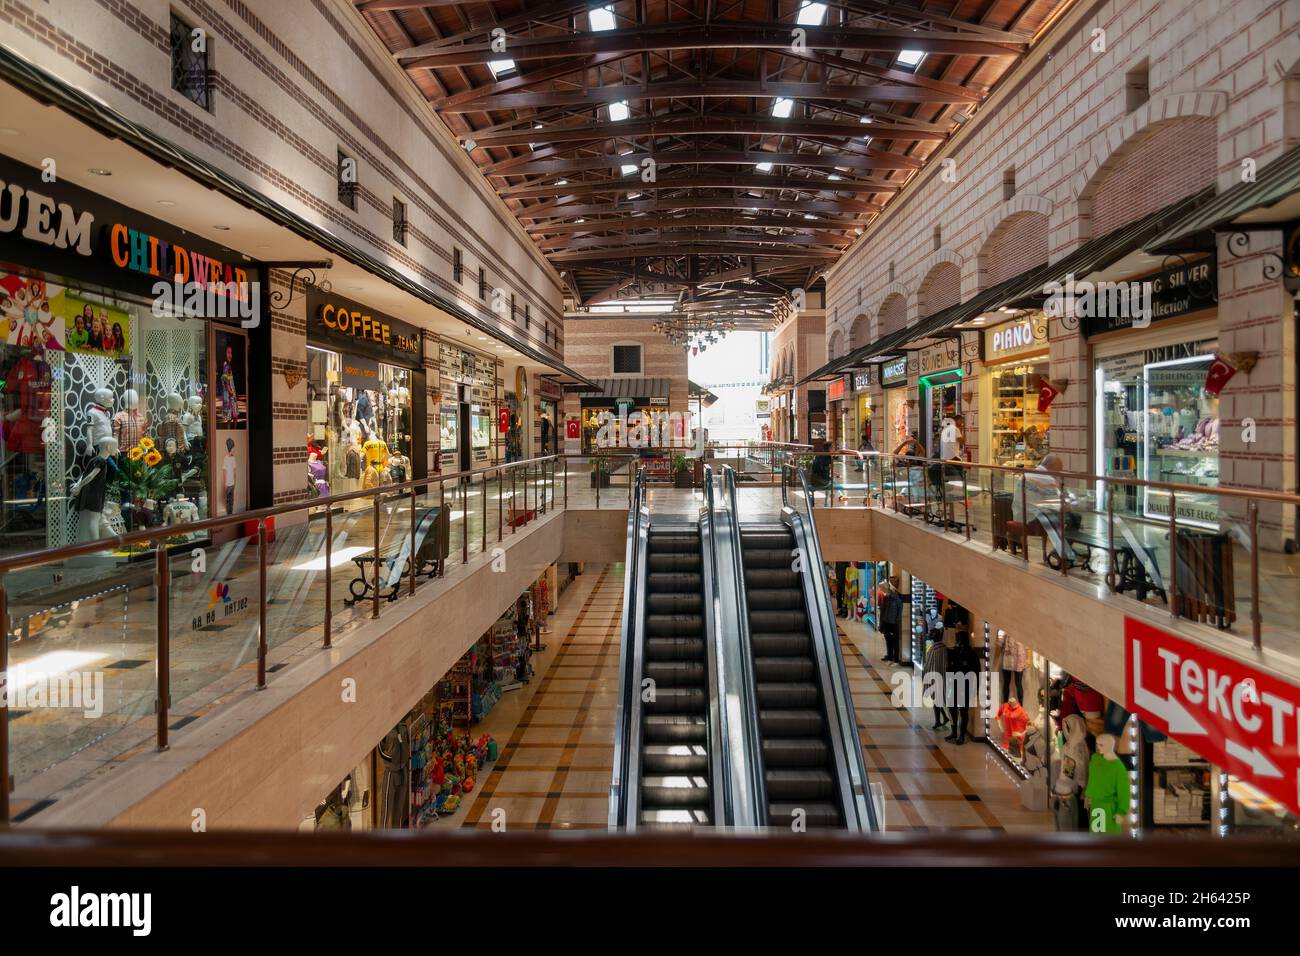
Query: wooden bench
[[432, 545]]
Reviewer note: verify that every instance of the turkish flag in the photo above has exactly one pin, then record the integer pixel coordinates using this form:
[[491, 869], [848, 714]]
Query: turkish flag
[[1046, 394], [572, 429], [503, 420], [1218, 375]]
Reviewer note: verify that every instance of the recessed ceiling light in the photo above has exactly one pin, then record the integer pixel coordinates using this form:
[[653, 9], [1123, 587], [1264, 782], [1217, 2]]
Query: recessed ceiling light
[[911, 58], [601, 18], [166, 202], [499, 67], [99, 171], [782, 107], [619, 111], [763, 167]]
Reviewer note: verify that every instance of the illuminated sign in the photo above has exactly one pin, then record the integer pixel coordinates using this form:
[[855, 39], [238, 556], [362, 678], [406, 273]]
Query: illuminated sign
[[1016, 338], [894, 372], [377, 334]]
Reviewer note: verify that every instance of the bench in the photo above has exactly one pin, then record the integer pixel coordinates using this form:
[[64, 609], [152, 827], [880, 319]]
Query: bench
[[432, 545]]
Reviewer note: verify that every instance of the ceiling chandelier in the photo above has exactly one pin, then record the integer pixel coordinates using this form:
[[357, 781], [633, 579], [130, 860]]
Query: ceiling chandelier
[[694, 333]]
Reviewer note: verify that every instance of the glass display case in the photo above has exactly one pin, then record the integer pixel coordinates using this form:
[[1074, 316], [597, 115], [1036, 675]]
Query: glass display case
[[449, 430]]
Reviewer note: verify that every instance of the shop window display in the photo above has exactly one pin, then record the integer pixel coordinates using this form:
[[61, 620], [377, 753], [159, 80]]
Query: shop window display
[[1019, 430], [103, 414], [360, 436]]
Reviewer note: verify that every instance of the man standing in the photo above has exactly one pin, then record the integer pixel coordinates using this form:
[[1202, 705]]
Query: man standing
[[891, 622]]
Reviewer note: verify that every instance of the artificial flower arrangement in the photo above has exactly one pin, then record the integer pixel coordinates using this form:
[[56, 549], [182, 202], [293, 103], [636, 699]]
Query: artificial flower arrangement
[[142, 480]]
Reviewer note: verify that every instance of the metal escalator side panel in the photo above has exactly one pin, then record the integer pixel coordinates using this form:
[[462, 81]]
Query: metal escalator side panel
[[720, 758], [837, 700], [749, 772], [624, 792]]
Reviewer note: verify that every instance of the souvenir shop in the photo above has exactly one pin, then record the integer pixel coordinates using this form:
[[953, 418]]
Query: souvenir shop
[[1013, 431], [899, 417], [349, 806], [940, 385], [467, 413], [1156, 406], [108, 404], [430, 763]]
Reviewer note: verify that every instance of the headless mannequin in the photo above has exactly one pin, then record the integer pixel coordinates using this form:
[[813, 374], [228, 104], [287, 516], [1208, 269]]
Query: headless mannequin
[[89, 491], [1107, 791]]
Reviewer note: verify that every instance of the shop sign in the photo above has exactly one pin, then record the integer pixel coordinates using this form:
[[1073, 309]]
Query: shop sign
[[546, 388], [1012, 339], [68, 231], [353, 325], [1184, 289], [362, 373], [861, 380], [1235, 716], [894, 372], [836, 390], [941, 357]]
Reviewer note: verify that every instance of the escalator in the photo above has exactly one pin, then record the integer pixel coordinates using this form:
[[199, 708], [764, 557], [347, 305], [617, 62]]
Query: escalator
[[675, 766], [798, 763]]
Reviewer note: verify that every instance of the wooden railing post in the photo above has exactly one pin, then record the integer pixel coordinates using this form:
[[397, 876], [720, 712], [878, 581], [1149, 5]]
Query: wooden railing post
[[329, 576], [162, 654], [374, 603], [261, 609]]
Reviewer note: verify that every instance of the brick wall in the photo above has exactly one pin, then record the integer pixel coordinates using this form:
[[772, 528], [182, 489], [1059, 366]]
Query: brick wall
[[1018, 245]]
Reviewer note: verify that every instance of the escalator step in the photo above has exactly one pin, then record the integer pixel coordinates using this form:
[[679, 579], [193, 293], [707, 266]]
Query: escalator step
[[675, 790], [668, 542], [818, 815], [676, 673], [678, 700], [758, 578], [675, 728], [778, 695], [799, 784], [674, 625], [675, 759], [781, 644], [790, 723], [674, 561], [673, 603], [770, 558], [781, 752], [761, 622], [674, 649], [674, 583], [755, 540], [774, 599], [680, 818], [775, 669]]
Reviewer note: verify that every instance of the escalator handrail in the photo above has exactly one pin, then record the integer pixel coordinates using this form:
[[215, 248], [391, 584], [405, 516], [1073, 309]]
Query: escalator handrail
[[721, 757], [851, 772], [752, 810], [624, 787]]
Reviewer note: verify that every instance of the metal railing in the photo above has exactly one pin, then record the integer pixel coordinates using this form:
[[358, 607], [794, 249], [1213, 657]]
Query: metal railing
[[624, 795], [1133, 525]]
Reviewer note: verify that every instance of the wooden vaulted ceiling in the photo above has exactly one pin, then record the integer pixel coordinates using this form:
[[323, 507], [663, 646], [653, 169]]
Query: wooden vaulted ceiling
[[701, 80]]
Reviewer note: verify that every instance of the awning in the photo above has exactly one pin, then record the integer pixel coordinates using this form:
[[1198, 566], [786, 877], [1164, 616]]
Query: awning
[[695, 390], [1027, 289], [627, 388], [1273, 198]]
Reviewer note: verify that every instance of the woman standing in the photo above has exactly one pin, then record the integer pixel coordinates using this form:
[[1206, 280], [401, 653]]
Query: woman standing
[[961, 684]]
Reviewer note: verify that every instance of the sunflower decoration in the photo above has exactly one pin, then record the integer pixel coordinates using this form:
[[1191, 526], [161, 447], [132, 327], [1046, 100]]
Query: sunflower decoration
[[144, 475], [147, 444], [152, 457], [136, 453]]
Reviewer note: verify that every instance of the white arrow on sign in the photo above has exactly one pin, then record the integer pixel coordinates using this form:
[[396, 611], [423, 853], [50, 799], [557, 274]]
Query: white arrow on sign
[[1251, 757], [1171, 711]]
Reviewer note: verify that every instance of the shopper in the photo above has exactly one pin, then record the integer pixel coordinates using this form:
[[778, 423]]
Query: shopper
[[961, 683], [891, 622], [933, 675], [821, 477]]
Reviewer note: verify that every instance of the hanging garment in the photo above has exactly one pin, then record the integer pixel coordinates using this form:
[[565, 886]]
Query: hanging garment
[[1072, 761], [372, 478], [353, 463], [376, 452], [33, 380]]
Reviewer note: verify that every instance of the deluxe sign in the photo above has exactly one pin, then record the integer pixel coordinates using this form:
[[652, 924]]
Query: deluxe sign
[[1016, 338], [1237, 717]]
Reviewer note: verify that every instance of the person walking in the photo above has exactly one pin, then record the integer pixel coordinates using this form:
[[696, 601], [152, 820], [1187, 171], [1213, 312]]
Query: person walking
[[961, 683]]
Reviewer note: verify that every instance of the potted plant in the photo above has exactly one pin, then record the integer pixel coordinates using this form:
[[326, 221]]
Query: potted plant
[[143, 479], [599, 472], [681, 471]]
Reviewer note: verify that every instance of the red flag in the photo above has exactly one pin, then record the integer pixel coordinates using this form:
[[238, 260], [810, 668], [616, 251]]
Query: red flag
[[1218, 375], [1047, 393], [503, 420], [572, 429]]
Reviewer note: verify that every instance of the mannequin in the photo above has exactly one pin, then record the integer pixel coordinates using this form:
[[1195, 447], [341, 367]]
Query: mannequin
[[316, 475], [171, 426], [130, 424], [180, 510], [1011, 658], [99, 420], [949, 440], [398, 466], [1107, 791], [1070, 771], [352, 455], [1014, 721], [373, 477], [192, 419], [89, 492]]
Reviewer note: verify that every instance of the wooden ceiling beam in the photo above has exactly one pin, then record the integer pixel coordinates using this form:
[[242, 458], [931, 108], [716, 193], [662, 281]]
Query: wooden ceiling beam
[[753, 182]]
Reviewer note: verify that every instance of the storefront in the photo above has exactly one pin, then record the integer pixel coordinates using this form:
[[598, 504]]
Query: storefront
[[363, 372], [940, 397], [838, 412], [1012, 429], [899, 422], [547, 422], [860, 412], [1156, 413], [467, 413], [108, 397], [610, 415]]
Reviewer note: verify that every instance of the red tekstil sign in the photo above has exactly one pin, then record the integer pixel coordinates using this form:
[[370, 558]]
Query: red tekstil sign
[[1235, 716]]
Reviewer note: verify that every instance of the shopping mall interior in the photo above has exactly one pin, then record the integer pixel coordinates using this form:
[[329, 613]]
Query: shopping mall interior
[[367, 495]]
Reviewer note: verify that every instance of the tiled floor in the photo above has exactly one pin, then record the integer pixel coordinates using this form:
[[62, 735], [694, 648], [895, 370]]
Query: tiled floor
[[557, 737]]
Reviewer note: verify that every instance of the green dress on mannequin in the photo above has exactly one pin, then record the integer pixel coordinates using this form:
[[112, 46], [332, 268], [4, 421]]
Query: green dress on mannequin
[[1108, 788]]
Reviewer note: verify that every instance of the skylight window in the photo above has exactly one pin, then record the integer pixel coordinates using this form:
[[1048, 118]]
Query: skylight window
[[501, 67], [601, 18], [911, 58], [628, 168], [811, 14], [619, 111], [782, 107], [561, 182], [763, 167], [833, 177]]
